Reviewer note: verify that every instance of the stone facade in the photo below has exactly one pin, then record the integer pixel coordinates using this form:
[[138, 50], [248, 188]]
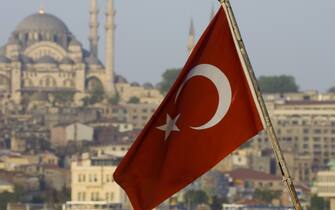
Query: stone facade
[[92, 180]]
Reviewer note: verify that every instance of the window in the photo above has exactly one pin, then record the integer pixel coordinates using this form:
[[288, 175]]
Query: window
[[317, 139]]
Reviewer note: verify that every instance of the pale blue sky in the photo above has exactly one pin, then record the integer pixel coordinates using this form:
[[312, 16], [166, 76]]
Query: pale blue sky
[[282, 37]]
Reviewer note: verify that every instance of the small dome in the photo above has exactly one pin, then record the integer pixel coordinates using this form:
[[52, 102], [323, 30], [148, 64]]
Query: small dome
[[148, 85], [4, 59], [135, 84], [158, 86], [3, 51], [92, 60], [46, 60], [26, 59], [67, 60], [75, 42], [13, 41], [42, 22], [120, 79]]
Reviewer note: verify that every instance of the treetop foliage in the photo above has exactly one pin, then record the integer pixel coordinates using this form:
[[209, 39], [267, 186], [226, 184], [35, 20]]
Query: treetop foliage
[[278, 84]]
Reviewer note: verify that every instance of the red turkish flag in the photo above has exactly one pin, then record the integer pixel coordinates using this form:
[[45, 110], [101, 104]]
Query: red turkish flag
[[207, 114]]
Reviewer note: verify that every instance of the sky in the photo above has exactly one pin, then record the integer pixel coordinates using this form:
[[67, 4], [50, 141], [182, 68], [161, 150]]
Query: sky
[[282, 37]]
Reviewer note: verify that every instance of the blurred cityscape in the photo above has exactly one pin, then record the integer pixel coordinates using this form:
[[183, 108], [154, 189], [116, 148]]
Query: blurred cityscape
[[67, 119]]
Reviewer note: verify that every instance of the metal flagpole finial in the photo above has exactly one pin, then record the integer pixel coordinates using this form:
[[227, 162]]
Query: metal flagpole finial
[[42, 7]]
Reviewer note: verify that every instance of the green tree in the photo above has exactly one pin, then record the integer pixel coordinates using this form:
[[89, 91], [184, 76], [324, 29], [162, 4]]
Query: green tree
[[114, 100], [278, 84], [318, 203], [193, 198], [331, 90], [95, 96], [169, 77], [266, 195], [134, 100], [7, 197], [216, 203], [63, 98]]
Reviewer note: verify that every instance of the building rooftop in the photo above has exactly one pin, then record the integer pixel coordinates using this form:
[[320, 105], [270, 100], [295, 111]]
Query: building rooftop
[[42, 22], [248, 174]]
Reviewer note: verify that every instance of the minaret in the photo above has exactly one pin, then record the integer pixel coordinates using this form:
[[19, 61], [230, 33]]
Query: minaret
[[109, 46], [191, 38], [94, 26]]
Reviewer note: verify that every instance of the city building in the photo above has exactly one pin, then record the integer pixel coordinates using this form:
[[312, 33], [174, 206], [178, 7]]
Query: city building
[[254, 207], [136, 114], [91, 205], [245, 182], [11, 162], [306, 126], [32, 206], [92, 180], [6, 186], [56, 178], [147, 93], [75, 132], [325, 184]]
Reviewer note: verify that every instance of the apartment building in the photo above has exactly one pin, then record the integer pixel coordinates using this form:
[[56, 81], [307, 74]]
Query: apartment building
[[306, 127], [92, 180]]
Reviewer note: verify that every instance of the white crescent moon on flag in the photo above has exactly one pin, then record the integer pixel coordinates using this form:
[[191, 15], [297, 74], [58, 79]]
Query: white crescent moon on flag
[[222, 85]]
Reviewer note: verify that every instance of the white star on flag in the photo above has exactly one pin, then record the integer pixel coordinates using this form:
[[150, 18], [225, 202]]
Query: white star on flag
[[169, 126]]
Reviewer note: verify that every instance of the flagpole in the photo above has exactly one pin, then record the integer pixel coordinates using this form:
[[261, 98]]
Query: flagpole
[[267, 120]]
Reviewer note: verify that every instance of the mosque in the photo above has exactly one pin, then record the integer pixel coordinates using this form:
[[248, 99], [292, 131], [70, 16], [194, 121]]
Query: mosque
[[43, 57]]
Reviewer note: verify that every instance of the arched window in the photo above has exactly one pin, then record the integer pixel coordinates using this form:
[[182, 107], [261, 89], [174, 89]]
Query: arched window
[[27, 83], [68, 83], [36, 36], [48, 81], [93, 83]]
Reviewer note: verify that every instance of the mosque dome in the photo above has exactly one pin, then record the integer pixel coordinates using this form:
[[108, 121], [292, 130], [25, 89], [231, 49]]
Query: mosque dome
[[67, 61], [13, 41], [42, 22], [120, 79], [26, 60], [92, 60], [4, 59], [135, 84], [75, 42], [2, 50], [148, 85]]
